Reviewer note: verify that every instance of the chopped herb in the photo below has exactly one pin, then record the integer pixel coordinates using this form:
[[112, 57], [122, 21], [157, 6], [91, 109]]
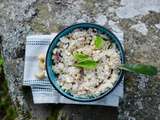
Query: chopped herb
[[87, 64], [79, 57], [98, 41]]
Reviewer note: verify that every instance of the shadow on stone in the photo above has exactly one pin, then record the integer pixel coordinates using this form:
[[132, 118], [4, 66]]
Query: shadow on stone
[[68, 112]]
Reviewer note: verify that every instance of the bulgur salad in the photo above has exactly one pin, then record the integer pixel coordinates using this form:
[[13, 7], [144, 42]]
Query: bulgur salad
[[86, 63]]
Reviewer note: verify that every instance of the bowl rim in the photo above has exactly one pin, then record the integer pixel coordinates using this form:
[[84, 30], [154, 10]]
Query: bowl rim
[[122, 57]]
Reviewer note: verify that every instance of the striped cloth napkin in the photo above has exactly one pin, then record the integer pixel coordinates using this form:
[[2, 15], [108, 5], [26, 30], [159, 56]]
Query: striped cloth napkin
[[42, 90]]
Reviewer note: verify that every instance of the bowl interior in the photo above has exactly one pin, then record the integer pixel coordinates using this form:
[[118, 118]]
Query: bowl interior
[[49, 62]]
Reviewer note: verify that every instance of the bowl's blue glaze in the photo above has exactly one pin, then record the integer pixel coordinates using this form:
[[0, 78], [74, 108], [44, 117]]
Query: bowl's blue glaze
[[51, 73]]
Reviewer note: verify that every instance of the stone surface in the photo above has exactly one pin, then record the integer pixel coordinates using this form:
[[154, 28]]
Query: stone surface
[[142, 97], [134, 8], [140, 27]]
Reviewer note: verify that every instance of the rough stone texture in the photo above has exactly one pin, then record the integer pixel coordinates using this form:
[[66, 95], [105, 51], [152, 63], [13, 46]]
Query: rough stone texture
[[19, 18]]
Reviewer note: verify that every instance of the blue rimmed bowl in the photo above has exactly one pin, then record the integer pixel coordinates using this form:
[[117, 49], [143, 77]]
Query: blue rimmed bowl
[[49, 62]]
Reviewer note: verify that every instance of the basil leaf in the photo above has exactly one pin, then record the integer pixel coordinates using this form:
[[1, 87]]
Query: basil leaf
[[140, 68], [79, 57], [98, 41], [87, 64]]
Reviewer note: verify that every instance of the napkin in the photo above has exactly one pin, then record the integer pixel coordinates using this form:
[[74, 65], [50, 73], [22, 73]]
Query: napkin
[[42, 90]]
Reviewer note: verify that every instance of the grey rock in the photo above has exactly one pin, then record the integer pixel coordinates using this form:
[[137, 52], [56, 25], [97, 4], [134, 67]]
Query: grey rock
[[19, 18]]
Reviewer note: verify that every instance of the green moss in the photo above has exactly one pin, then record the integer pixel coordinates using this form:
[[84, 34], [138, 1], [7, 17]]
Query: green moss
[[37, 26], [1, 63], [10, 113], [7, 110], [152, 30], [54, 28], [1, 60], [43, 12], [54, 113]]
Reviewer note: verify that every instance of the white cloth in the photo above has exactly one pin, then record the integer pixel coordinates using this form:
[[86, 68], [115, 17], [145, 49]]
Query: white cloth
[[42, 90]]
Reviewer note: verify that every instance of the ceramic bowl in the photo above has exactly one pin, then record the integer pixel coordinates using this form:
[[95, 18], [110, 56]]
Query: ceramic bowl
[[49, 62]]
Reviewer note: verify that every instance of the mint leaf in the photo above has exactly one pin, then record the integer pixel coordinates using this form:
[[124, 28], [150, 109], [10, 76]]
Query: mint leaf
[[79, 57], [98, 41], [87, 64], [140, 68], [84, 61]]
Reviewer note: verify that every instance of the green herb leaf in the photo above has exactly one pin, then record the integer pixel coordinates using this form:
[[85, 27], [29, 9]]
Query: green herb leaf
[[98, 41], [87, 64], [79, 57], [140, 68]]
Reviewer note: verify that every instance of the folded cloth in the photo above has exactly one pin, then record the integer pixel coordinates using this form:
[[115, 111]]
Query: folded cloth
[[42, 90]]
